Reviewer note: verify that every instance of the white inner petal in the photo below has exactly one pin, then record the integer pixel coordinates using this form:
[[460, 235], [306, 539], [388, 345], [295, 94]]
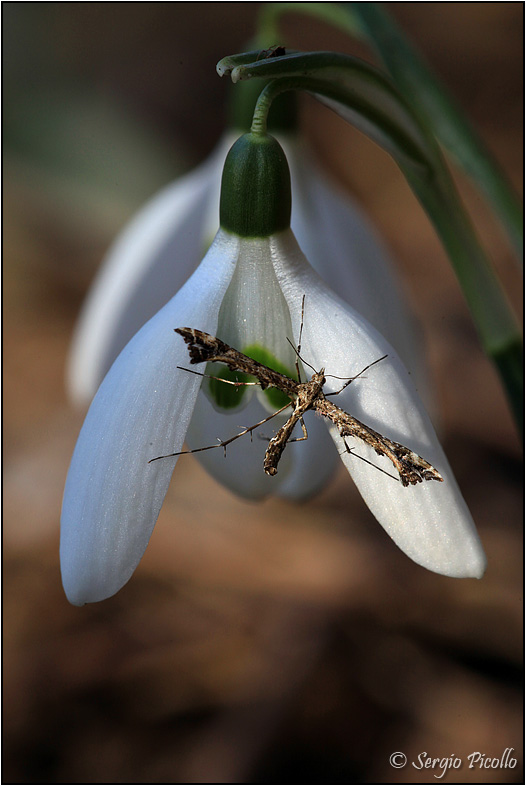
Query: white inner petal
[[254, 311], [241, 469]]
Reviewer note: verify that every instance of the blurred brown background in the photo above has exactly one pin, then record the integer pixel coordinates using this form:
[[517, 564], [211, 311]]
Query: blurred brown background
[[264, 643]]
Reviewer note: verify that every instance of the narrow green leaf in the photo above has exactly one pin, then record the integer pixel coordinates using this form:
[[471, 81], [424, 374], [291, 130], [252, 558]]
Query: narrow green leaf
[[416, 81], [510, 363]]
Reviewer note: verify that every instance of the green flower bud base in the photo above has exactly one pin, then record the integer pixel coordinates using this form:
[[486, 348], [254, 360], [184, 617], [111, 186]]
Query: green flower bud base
[[255, 189]]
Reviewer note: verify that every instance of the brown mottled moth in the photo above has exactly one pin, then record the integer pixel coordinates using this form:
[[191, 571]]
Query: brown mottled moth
[[204, 348]]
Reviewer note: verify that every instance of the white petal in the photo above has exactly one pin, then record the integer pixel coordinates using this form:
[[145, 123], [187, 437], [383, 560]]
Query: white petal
[[342, 246], [430, 522], [313, 462], [242, 469], [147, 265], [304, 469], [113, 496], [254, 311]]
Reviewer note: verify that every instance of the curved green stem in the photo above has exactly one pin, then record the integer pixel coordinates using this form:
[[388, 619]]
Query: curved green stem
[[262, 108], [371, 22]]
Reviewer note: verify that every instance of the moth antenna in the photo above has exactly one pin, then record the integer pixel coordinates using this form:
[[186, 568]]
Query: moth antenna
[[298, 350], [223, 444], [301, 324], [302, 359]]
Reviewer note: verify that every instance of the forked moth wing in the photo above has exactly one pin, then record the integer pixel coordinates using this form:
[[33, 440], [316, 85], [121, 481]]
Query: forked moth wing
[[203, 348], [411, 467]]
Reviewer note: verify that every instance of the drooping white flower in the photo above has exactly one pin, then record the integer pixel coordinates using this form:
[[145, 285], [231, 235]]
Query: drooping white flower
[[248, 290]]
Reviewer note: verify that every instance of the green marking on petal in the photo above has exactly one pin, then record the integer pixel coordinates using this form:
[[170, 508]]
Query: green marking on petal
[[276, 397], [230, 396], [226, 396]]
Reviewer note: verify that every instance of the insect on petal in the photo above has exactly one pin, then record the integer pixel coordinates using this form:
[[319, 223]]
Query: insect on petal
[[430, 521]]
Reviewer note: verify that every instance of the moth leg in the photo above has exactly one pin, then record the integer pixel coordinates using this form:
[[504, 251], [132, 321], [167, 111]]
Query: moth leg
[[357, 455], [223, 443], [219, 379], [277, 444], [305, 435], [296, 439]]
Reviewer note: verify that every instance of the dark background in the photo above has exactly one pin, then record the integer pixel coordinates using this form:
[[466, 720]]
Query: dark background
[[265, 643]]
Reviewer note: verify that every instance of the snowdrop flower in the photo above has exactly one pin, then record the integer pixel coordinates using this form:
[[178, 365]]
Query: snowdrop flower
[[162, 247], [248, 290]]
